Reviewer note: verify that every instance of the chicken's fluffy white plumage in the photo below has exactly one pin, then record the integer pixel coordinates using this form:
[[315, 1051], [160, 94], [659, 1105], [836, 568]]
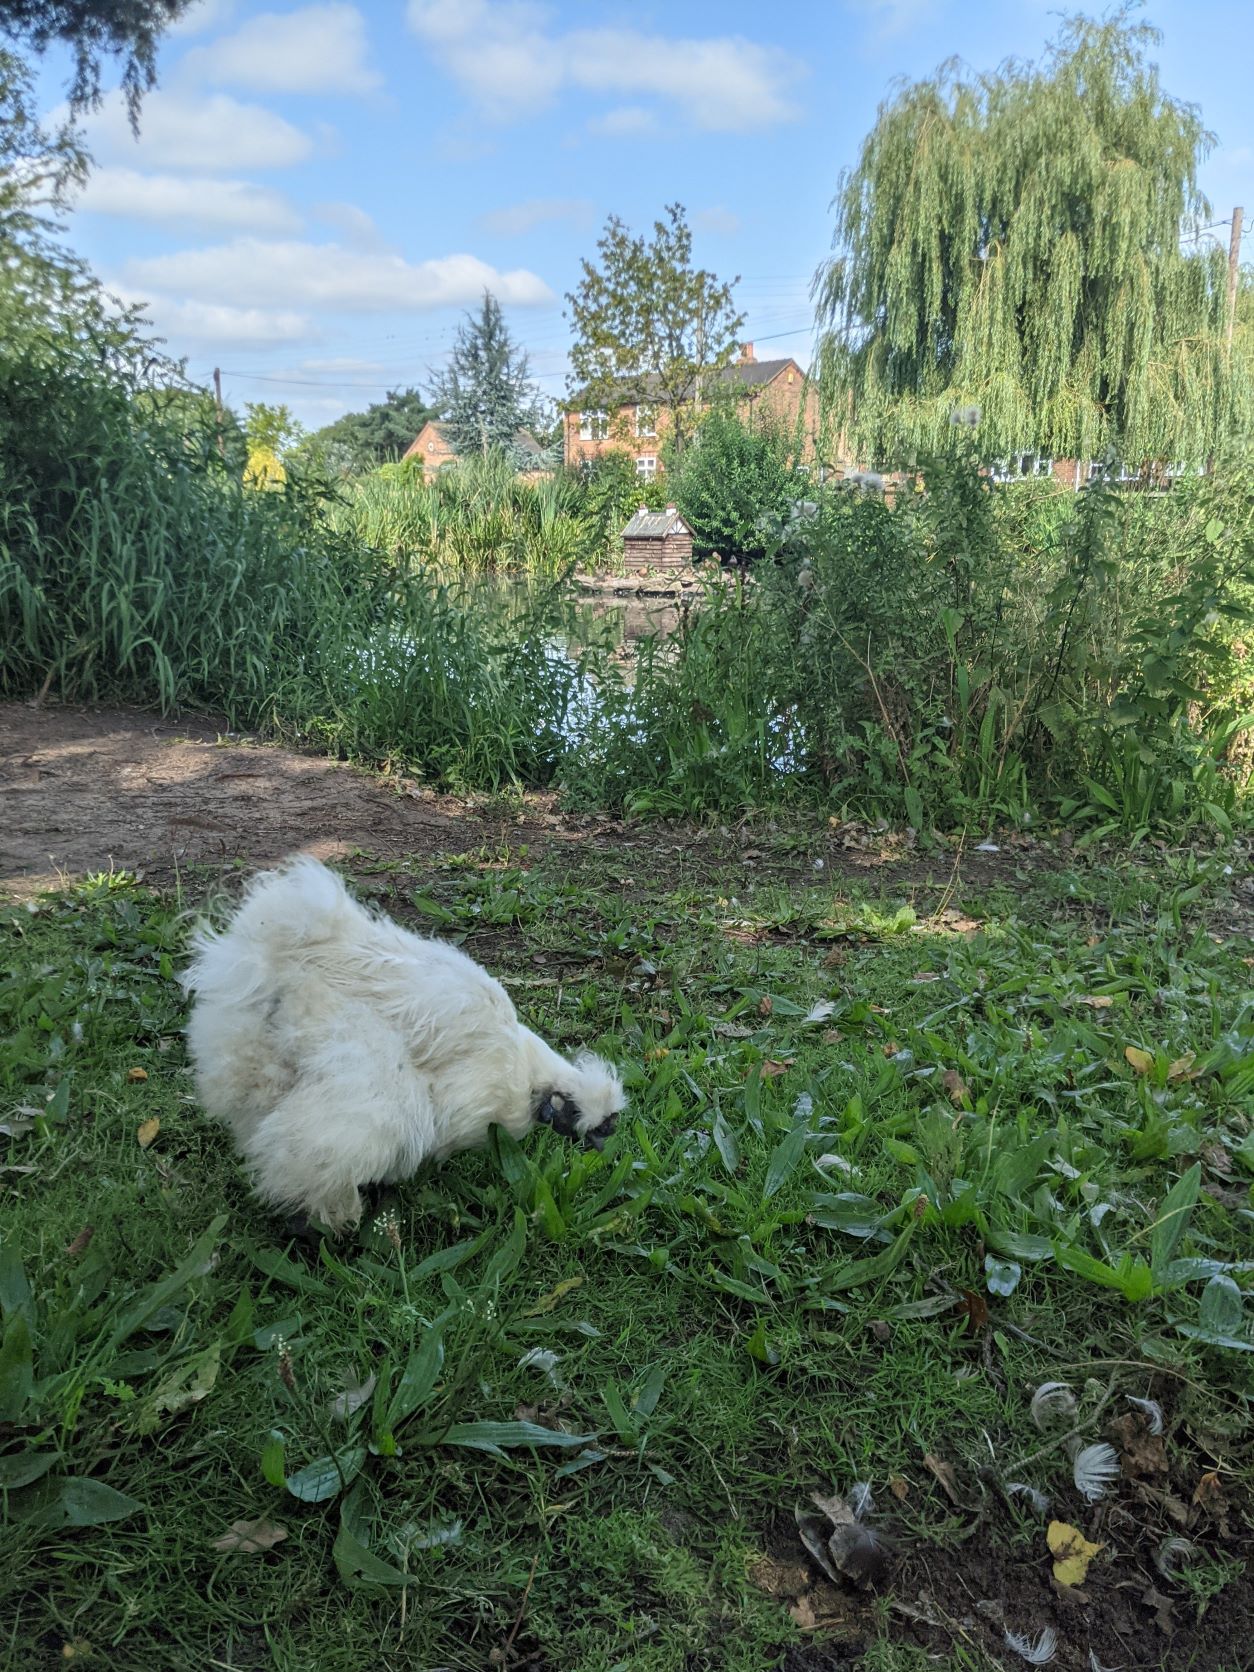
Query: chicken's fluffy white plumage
[[342, 1050]]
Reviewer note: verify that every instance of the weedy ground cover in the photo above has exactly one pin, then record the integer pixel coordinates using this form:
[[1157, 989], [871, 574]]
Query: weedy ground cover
[[894, 1164]]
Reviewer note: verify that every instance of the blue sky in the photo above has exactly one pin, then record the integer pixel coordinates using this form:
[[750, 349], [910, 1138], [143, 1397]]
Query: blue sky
[[319, 190]]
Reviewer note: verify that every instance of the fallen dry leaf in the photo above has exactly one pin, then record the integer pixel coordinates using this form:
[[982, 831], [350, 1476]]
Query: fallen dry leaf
[[79, 1245], [1208, 1494], [1071, 1551], [1142, 1453], [548, 1302], [899, 1487], [944, 1473], [832, 1036], [250, 1537], [891, 1048], [925, 975], [976, 1308], [1097, 1001], [1217, 1159], [136, 1075], [1164, 1610], [771, 1068], [803, 1615], [1183, 1069], [147, 1131], [765, 1005], [1141, 1061], [955, 1087]]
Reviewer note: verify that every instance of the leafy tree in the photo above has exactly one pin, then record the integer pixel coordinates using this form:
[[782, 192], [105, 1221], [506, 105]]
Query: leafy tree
[[272, 433], [728, 479], [650, 328], [485, 395], [361, 441], [1012, 242], [94, 30]]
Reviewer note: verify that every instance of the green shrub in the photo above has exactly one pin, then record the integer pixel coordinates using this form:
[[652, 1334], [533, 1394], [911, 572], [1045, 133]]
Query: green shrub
[[733, 476]]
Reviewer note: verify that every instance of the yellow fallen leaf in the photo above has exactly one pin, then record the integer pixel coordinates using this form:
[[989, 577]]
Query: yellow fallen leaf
[[546, 1303], [1142, 1061], [136, 1075], [1071, 1551], [1097, 1001], [1182, 1068], [148, 1130]]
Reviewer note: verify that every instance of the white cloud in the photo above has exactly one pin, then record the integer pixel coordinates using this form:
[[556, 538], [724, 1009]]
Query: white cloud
[[316, 49], [189, 323], [217, 205], [195, 134], [354, 223], [518, 218], [252, 272], [343, 363], [209, 14], [717, 220], [625, 122], [891, 18], [510, 61]]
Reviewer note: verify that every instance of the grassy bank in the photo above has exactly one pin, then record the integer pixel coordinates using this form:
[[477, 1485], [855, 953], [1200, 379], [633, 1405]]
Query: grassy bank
[[895, 1160]]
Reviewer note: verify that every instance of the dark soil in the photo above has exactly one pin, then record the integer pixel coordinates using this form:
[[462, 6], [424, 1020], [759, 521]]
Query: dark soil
[[995, 1575]]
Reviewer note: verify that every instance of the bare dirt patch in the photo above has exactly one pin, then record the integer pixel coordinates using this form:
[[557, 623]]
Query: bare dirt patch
[[89, 790]]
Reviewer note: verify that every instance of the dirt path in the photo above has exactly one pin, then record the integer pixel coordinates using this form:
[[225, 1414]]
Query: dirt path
[[87, 790]]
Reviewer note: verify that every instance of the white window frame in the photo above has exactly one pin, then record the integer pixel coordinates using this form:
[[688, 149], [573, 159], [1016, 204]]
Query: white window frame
[[646, 420], [594, 426], [646, 466], [1021, 467]]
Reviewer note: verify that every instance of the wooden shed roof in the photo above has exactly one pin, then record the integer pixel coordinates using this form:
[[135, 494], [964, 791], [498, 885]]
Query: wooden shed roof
[[655, 525]]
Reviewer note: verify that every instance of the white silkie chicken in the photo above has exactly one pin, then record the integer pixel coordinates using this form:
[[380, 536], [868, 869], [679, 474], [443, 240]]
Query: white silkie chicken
[[342, 1050]]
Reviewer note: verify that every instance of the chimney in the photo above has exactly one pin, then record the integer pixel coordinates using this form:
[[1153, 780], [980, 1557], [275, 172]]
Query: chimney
[[671, 510], [644, 511], [747, 355]]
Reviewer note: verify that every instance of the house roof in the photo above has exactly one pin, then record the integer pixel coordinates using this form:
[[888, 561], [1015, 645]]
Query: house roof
[[748, 374], [655, 525], [523, 439]]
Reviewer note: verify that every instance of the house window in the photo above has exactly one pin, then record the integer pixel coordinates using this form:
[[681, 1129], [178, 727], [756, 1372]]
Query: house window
[[594, 426], [646, 420], [1021, 467], [646, 466]]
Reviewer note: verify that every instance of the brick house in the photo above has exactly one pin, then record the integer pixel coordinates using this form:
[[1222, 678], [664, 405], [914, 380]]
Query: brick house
[[776, 387], [433, 447]]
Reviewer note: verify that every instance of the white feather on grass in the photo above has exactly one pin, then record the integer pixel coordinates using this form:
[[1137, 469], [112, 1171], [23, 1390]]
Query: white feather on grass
[[1095, 1469], [1037, 1499], [1037, 1651], [1171, 1554], [1153, 1411], [1052, 1402]]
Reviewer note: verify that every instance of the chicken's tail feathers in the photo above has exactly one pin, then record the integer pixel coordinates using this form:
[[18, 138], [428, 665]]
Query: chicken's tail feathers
[[284, 912]]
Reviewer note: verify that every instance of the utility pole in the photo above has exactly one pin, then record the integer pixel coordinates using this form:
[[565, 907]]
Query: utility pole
[[1234, 269], [217, 401]]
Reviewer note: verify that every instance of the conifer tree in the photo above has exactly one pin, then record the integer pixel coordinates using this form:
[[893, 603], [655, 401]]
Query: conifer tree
[[485, 395]]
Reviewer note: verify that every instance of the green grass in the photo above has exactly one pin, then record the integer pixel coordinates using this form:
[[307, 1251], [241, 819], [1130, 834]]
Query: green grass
[[756, 1292]]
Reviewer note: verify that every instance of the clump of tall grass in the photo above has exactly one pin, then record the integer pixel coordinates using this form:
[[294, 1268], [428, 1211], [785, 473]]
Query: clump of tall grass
[[965, 654], [476, 517], [137, 565]]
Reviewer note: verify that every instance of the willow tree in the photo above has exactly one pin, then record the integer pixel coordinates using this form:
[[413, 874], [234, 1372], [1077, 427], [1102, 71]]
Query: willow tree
[[1020, 242]]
